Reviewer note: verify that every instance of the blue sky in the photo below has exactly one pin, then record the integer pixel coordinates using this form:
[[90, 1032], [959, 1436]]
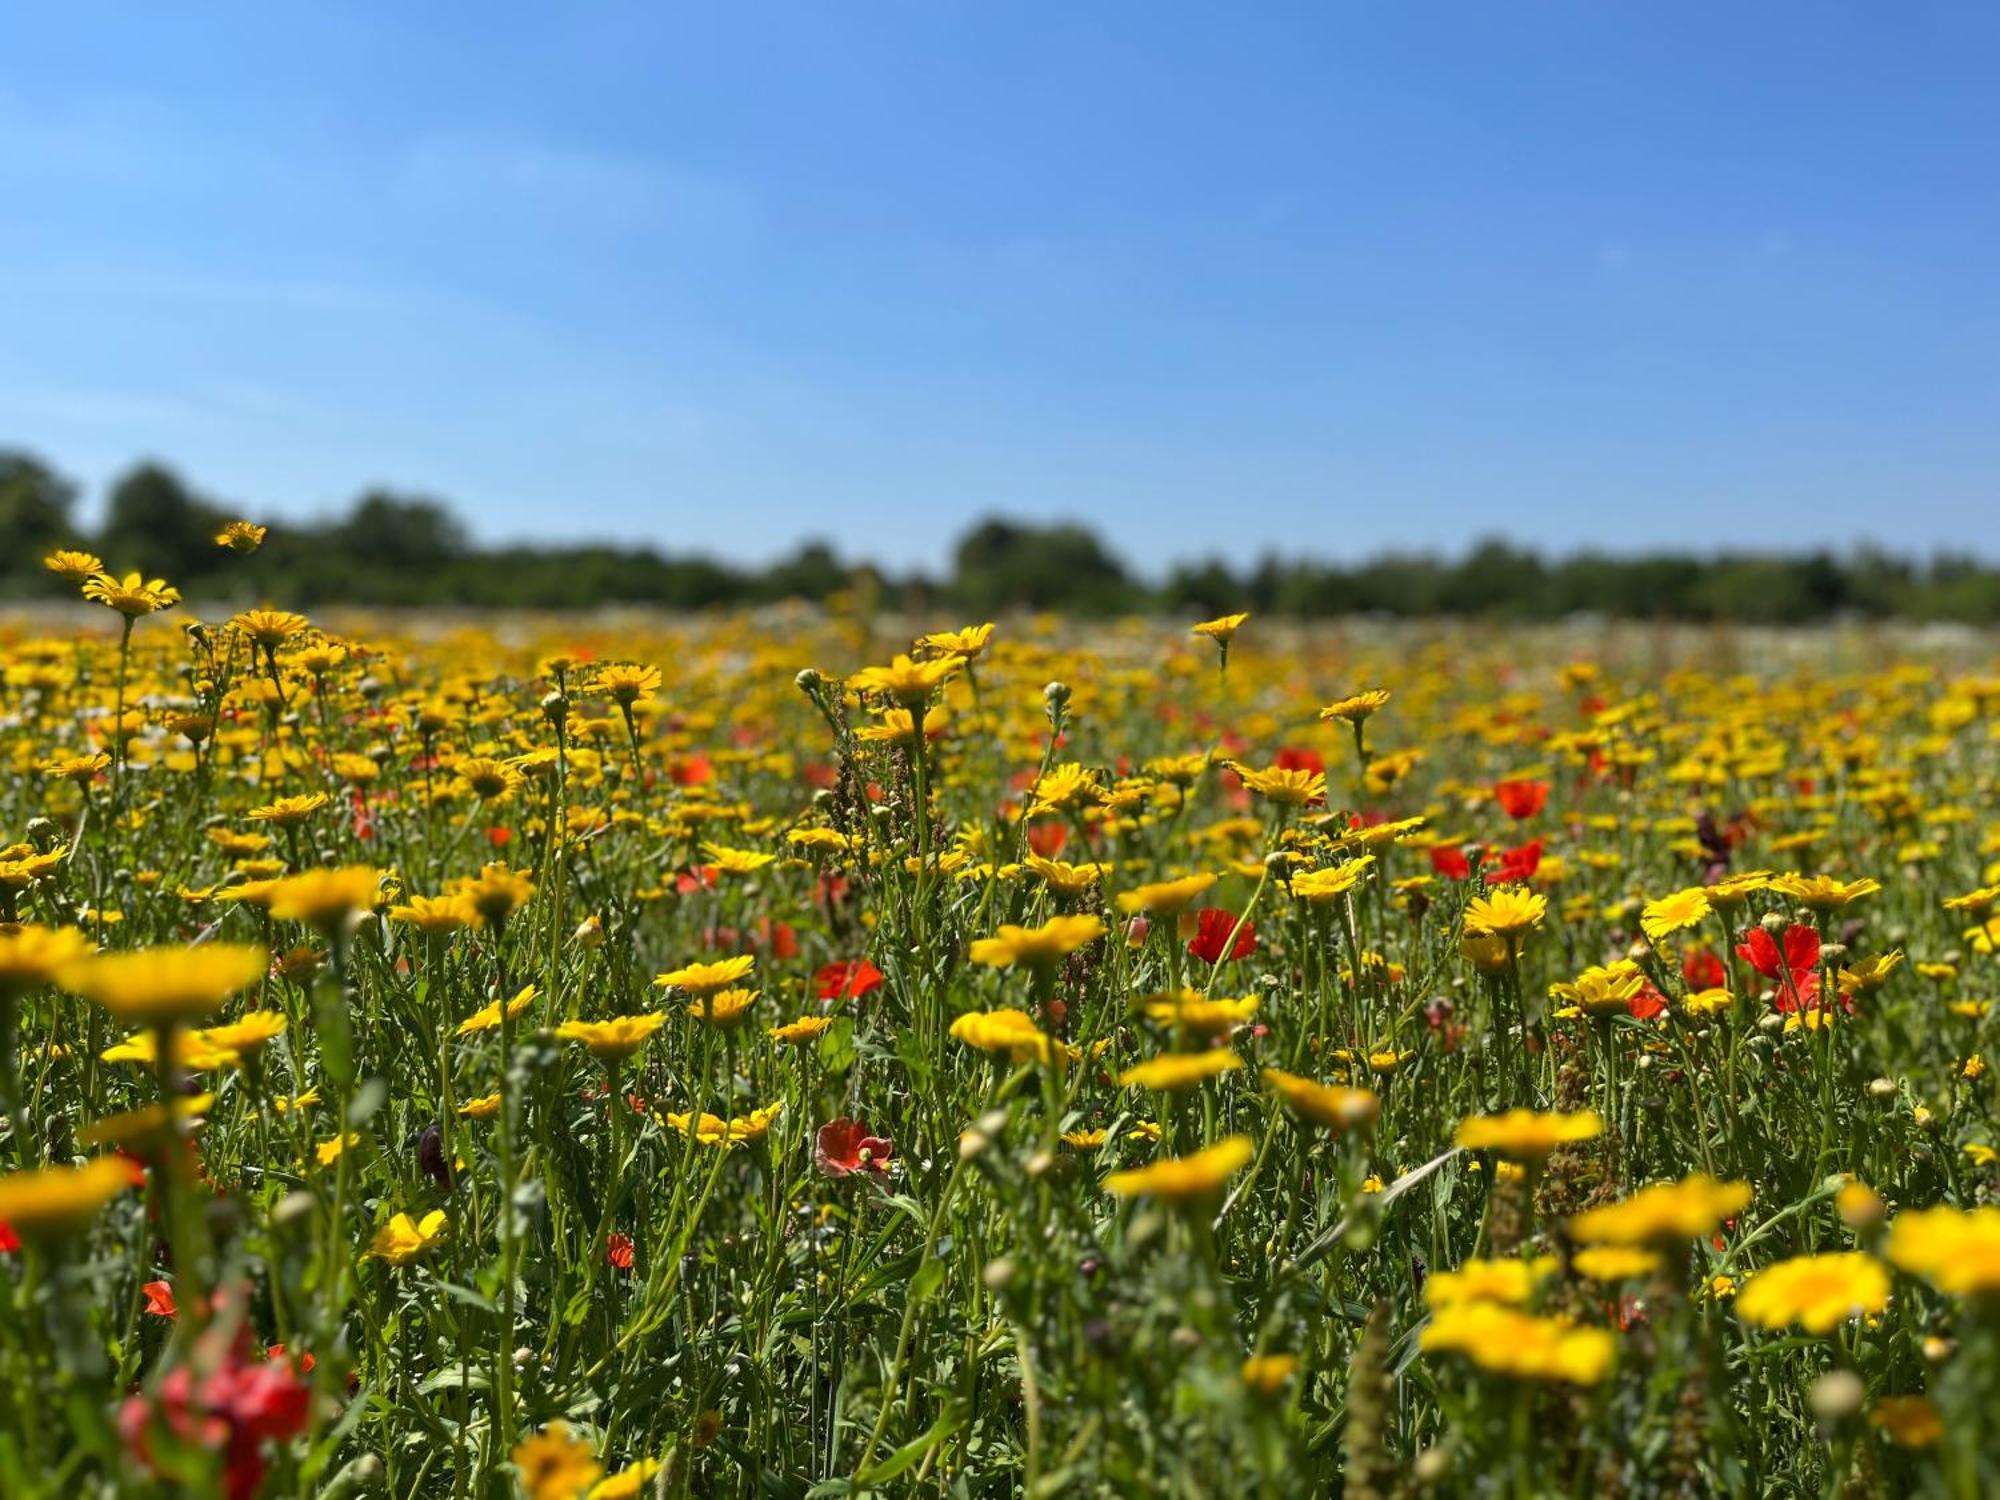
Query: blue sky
[[1327, 277]]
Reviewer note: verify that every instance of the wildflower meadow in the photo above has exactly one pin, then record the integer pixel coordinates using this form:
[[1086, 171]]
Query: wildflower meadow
[[806, 1053]]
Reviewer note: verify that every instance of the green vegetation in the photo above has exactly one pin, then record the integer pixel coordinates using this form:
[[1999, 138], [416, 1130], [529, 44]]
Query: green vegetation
[[395, 549]]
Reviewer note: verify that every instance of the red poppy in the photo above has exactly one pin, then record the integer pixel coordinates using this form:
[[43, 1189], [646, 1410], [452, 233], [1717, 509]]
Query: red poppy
[[236, 1408], [693, 771], [1517, 865], [847, 979], [1703, 970], [1213, 927], [618, 1251], [306, 1361], [160, 1299], [9, 1241], [1451, 862], [778, 937], [845, 1147], [1648, 1003], [1794, 967], [1521, 798], [1047, 839], [1293, 758], [499, 838], [701, 877]]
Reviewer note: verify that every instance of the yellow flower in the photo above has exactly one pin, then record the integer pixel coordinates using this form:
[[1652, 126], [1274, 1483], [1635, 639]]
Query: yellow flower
[[964, 644], [404, 1239], [488, 1017], [1038, 947], [1503, 1341], [710, 1130], [627, 684], [73, 566], [1356, 709], [700, 979], [1956, 1250], [1285, 787], [482, 1108], [1525, 1135], [193, 1051], [57, 1198], [1199, 1014], [1336, 1107], [328, 1152], [615, 1039], [1708, 1002], [1670, 914], [142, 1127], [1174, 1071], [158, 986], [736, 861], [554, 1465], [324, 898], [488, 779], [1165, 897], [1266, 1374], [77, 768], [1615, 1262], [269, 628], [804, 1029], [1221, 630], [1321, 887], [435, 915], [1910, 1421], [1511, 1282], [1869, 974], [1603, 990], [495, 893], [1063, 878], [1666, 1211], [32, 956], [1823, 892], [627, 1483], [133, 595], [909, 683], [1063, 788], [289, 812], [1505, 912], [723, 1008], [1008, 1030], [1817, 1292], [1185, 1178], [241, 536]]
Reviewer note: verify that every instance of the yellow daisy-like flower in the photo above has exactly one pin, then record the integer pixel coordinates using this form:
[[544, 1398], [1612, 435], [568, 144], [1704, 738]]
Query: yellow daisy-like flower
[[53, 1199], [1323, 887], [136, 1127], [616, 1039], [324, 898], [1525, 1134], [482, 1108], [1910, 1421], [1288, 788], [1221, 630], [289, 812], [495, 893], [627, 684], [1061, 877], [1335, 1106], [159, 986], [269, 628], [73, 565], [132, 596], [1164, 897], [554, 1465], [1011, 1031], [1505, 912], [435, 916], [488, 779], [1174, 1071], [964, 644], [404, 1239], [1815, 1292], [1511, 1282], [1037, 947], [701, 979], [1185, 1178], [722, 1008], [1200, 1014], [1520, 1346], [906, 682], [1823, 892], [1064, 787], [736, 861], [32, 956], [1615, 1262], [1602, 990], [804, 1029], [1664, 1212], [1267, 1374], [1671, 914], [488, 1017], [1356, 708], [241, 536], [627, 1483], [1956, 1250]]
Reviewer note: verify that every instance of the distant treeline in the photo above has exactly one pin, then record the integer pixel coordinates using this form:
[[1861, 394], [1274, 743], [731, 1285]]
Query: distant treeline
[[395, 549]]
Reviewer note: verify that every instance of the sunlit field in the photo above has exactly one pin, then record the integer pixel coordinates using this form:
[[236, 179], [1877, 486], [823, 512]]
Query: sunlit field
[[800, 1054]]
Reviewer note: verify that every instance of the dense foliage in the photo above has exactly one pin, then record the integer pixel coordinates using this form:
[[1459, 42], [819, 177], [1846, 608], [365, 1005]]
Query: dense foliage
[[731, 1060], [404, 550]]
